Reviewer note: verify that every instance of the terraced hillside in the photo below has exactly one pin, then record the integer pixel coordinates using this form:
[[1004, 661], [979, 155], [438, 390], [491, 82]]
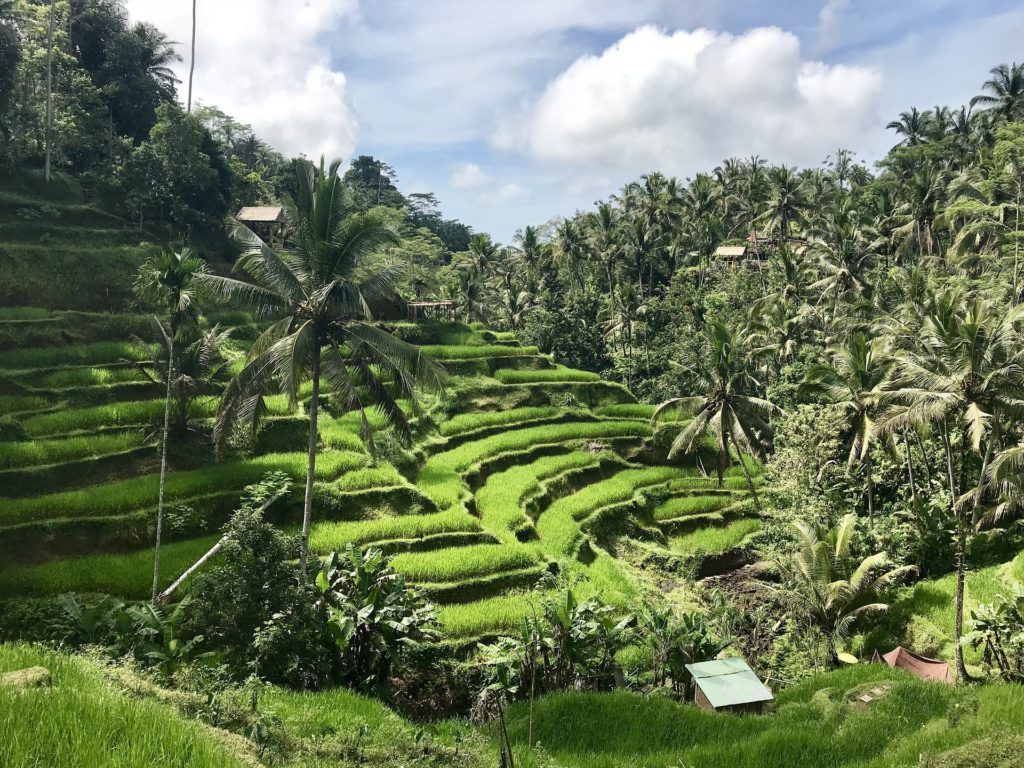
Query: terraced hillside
[[523, 467]]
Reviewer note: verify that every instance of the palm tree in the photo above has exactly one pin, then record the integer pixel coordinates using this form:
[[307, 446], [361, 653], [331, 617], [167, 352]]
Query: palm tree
[[921, 198], [787, 202], [316, 293], [826, 587], [169, 281], [966, 370], [857, 379], [912, 126], [199, 362], [728, 410], [846, 253], [1004, 92], [157, 54]]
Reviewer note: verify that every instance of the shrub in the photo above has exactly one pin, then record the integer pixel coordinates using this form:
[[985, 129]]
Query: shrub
[[253, 609], [374, 617]]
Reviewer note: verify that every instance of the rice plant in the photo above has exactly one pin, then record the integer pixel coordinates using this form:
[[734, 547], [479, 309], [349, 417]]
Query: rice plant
[[500, 501], [75, 354], [139, 493], [559, 526], [440, 477], [711, 541], [127, 414], [501, 613], [125, 575], [472, 421], [529, 376], [687, 506], [457, 563], [330, 536], [462, 352], [37, 453], [627, 410]]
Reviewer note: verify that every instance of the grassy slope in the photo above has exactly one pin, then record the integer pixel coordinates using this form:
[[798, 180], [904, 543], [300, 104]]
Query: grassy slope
[[82, 720], [813, 725]]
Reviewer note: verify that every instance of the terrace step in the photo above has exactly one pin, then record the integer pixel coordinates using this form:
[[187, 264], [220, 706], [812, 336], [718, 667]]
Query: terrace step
[[481, 587]]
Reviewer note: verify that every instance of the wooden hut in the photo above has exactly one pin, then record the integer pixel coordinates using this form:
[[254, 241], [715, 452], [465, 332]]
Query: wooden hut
[[439, 310], [731, 255], [267, 221], [728, 684]]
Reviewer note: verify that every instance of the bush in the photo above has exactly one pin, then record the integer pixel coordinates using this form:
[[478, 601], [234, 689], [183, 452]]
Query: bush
[[252, 607]]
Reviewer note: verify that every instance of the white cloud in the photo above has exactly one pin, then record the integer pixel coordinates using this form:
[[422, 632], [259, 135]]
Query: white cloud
[[264, 63], [505, 194], [828, 24], [469, 176], [683, 101]]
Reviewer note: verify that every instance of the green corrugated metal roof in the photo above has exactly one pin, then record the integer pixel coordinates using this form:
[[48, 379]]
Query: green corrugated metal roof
[[728, 682]]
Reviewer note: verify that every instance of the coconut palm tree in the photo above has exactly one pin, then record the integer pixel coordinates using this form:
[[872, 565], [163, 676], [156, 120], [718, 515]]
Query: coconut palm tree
[[170, 282], [1004, 92], [787, 203], [727, 409], [857, 379], [826, 586], [912, 126], [316, 294], [966, 372]]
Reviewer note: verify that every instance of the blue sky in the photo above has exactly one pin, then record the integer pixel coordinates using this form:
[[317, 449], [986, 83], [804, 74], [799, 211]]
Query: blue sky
[[517, 112]]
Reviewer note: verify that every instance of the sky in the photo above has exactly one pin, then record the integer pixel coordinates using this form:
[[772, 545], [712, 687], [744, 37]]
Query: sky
[[515, 112]]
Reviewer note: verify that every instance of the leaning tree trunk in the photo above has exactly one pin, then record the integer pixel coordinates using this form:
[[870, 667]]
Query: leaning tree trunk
[[307, 506], [163, 467]]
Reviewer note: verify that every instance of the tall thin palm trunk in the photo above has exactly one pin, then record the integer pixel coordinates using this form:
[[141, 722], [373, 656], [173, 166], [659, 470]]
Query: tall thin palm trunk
[[307, 506], [750, 482], [192, 60], [49, 88], [870, 491], [163, 468], [910, 467]]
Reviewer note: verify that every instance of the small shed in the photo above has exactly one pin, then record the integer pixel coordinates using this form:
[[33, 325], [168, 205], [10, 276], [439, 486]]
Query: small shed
[[728, 684], [916, 664], [267, 221]]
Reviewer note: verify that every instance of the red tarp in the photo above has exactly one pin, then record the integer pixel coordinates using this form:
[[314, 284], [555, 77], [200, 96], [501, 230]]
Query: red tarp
[[915, 664]]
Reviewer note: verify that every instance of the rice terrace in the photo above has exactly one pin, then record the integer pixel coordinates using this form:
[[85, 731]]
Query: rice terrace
[[724, 469]]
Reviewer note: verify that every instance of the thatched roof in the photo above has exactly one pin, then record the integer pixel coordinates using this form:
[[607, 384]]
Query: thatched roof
[[730, 251], [262, 214]]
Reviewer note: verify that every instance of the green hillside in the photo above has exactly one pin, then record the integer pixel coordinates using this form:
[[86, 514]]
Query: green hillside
[[515, 472]]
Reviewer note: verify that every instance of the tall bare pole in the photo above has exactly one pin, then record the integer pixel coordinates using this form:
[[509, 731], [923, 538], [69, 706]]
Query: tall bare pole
[[49, 87], [192, 62]]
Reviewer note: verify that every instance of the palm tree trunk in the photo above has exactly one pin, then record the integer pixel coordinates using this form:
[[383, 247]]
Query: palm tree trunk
[[49, 89], [871, 492], [910, 467], [192, 59], [961, 579], [307, 506], [750, 482], [163, 468]]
